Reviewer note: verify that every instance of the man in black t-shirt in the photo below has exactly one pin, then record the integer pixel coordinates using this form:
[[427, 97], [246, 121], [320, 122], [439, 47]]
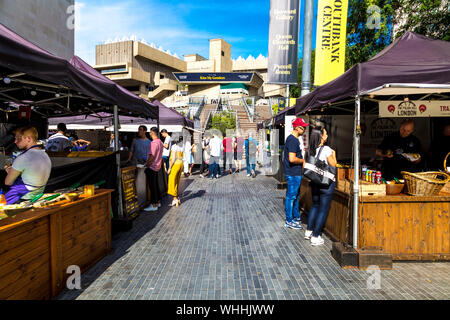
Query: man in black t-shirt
[[393, 149]]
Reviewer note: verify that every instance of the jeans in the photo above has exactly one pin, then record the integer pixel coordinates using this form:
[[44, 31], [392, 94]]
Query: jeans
[[318, 213], [166, 164], [251, 163], [213, 166], [292, 197], [153, 182]]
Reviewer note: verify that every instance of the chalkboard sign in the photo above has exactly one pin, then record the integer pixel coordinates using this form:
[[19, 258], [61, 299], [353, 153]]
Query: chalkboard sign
[[130, 198]]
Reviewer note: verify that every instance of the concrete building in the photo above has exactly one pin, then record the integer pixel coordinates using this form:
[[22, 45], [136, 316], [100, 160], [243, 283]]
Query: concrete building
[[46, 23], [153, 73]]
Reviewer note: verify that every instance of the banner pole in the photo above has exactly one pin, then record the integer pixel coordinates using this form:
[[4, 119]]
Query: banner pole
[[307, 40], [357, 131], [117, 151]]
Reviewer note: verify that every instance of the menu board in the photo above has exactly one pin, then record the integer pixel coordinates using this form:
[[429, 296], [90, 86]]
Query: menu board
[[130, 198]]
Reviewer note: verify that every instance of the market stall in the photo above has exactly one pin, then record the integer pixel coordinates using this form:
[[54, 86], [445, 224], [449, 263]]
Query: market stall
[[69, 223], [410, 78]]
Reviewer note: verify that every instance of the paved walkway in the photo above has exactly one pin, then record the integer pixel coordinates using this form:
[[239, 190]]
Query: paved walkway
[[228, 241]]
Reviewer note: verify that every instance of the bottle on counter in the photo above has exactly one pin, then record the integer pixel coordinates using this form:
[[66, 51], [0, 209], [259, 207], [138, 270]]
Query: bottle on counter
[[363, 172], [2, 197], [378, 181]]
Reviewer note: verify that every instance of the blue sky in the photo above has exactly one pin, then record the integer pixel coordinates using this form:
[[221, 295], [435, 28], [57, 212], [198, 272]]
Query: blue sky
[[182, 27]]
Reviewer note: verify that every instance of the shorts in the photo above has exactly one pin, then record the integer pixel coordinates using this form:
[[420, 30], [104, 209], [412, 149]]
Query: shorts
[[238, 155]]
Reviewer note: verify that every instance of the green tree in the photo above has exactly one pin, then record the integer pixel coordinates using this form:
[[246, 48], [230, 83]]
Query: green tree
[[367, 32], [428, 17], [294, 91], [223, 121]]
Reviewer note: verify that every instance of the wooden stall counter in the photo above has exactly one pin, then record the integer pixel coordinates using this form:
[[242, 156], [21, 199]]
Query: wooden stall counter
[[408, 227], [38, 245]]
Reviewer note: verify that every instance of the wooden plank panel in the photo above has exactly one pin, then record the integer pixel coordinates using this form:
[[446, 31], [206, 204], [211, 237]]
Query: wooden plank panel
[[38, 290], [71, 247], [76, 217], [18, 260], [56, 253], [85, 256], [9, 251], [22, 234], [99, 222], [37, 269]]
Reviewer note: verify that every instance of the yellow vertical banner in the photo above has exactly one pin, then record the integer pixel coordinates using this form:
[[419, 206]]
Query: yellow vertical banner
[[331, 39]]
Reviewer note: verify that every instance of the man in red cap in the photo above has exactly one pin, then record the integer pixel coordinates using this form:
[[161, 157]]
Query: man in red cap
[[293, 170]]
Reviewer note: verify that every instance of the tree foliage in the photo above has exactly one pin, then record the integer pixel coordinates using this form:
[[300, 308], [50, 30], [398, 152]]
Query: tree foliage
[[223, 121], [428, 17], [367, 33]]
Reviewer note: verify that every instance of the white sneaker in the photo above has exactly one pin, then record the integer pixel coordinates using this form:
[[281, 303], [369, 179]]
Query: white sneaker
[[317, 241], [158, 205], [248, 174], [151, 208], [308, 234]]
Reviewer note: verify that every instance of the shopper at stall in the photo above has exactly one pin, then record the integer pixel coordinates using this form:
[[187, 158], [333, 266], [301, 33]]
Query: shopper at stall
[[80, 144], [30, 171], [59, 142], [167, 147], [139, 147], [251, 148], [401, 151], [112, 142], [154, 161], [321, 196], [238, 148], [293, 170], [175, 168]]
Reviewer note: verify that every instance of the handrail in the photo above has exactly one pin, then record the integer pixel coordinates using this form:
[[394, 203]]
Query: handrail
[[247, 110]]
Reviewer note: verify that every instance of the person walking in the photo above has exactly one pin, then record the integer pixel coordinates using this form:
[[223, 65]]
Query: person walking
[[227, 154], [154, 161], [293, 169], [215, 145], [174, 170], [187, 161], [321, 196], [205, 156], [139, 147], [251, 148], [238, 148]]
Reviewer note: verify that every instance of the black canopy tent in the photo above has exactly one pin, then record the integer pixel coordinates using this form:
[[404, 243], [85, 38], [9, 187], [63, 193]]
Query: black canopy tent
[[414, 66], [52, 87]]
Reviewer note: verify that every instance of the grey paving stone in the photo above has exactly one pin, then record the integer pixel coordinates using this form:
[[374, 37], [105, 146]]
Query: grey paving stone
[[228, 241]]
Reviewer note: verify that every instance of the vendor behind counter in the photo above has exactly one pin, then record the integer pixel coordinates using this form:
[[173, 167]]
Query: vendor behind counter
[[30, 170], [393, 149]]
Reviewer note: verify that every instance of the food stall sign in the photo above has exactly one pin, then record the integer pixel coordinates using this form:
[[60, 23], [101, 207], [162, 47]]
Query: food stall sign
[[440, 108]]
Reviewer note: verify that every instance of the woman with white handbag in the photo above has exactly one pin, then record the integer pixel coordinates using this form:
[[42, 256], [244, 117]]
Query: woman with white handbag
[[321, 195]]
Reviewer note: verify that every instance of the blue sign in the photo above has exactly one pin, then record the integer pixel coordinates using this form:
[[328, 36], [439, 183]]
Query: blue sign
[[214, 77]]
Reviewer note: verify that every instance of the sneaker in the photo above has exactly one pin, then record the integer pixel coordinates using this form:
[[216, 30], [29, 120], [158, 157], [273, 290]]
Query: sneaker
[[317, 241], [202, 176], [217, 176], [248, 174], [151, 208], [253, 174], [308, 234], [292, 225], [158, 205]]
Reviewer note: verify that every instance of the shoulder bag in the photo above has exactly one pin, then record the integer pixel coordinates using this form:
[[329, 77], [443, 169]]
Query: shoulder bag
[[318, 171]]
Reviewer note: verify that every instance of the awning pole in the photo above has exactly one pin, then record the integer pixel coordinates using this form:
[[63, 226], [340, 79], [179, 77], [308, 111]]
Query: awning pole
[[117, 151], [357, 132]]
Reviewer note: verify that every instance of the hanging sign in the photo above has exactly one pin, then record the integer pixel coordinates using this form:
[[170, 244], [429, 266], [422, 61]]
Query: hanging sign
[[414, 108], [283, 42], [330, 40]]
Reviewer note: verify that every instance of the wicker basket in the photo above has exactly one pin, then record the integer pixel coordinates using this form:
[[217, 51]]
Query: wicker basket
[[425, 183]]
